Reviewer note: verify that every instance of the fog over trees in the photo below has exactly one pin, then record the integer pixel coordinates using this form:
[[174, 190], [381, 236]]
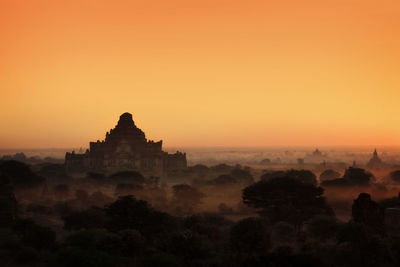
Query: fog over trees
[[218, 215]]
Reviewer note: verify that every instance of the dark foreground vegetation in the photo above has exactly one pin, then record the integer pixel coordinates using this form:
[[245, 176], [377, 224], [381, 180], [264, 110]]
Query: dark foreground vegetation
[[48, 218]]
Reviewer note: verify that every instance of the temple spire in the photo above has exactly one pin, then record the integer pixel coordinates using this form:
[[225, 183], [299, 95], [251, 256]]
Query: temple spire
[[375, 162]]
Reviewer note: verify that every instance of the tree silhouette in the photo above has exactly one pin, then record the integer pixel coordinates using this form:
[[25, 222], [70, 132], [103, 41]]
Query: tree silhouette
[[242, 176], [93, 218], [329, 175], [367, 211], [130, 213], [19, 174], [395, 176], [250, 238], [225, 179], [35, 235], [186, 198], [8, 203], [127, 177], [286, 199], [301, 175]]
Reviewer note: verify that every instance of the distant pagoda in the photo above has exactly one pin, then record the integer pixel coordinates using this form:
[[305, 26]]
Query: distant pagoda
[[317, 153], [315, 157], [126, 148], [375, 162]]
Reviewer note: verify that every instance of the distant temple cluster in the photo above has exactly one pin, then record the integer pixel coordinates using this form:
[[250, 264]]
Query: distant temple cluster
[[126, 148]]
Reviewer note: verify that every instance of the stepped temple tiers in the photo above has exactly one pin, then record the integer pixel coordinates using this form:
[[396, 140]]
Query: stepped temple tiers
[[126, 148]]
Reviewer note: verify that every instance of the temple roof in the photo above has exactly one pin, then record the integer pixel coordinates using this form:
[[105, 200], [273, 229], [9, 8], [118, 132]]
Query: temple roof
[[125, 120], [126, 115], [375, 161]]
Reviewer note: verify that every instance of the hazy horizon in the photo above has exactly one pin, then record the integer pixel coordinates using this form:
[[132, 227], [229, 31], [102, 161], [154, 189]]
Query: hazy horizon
[[248, 155]]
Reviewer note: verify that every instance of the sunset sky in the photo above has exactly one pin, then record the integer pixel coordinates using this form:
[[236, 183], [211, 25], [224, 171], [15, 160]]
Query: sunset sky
[[201, 72]]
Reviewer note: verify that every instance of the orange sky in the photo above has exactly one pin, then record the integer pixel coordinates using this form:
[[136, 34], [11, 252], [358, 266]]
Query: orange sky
[[201, 72]]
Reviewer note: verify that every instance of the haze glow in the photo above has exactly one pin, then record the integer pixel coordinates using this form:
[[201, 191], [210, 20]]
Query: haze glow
[[201, 73]]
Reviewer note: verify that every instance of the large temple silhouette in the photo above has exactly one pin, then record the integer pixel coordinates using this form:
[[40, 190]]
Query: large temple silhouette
[[126, 148]]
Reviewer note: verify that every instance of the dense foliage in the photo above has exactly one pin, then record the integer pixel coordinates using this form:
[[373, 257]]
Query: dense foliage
[[286, 199], [96, 221]]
